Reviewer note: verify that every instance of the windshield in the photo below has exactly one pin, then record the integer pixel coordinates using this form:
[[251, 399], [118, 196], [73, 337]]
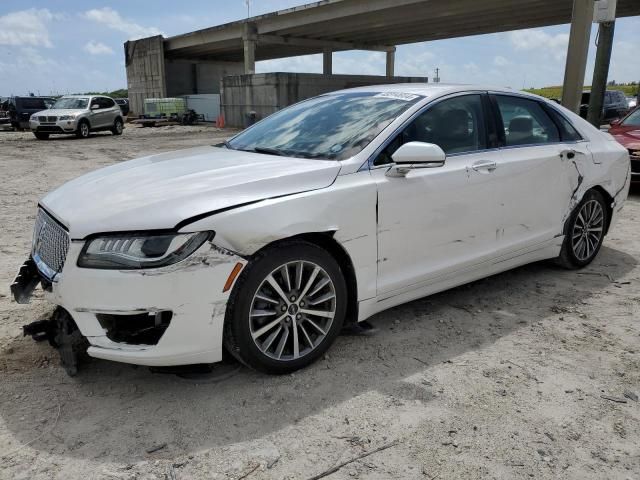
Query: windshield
[[31, 103], [332, 127], [632, 120], [66, 103]]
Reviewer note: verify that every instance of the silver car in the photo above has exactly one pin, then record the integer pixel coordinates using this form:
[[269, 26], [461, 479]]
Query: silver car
[[79, 114]]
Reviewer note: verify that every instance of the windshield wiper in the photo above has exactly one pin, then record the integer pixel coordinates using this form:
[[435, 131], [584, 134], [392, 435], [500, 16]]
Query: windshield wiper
[[268, 151]]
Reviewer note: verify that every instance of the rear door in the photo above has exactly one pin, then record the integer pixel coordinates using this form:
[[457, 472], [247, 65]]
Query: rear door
[[539, 167]]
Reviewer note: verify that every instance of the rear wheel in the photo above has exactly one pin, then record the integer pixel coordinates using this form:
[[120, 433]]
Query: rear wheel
[[83, 129], [41, 135], [118, 126], [584, 232], [286, 309]]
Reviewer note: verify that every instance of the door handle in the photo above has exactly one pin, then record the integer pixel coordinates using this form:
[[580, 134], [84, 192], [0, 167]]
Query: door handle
[[484, 165], [570, 153]]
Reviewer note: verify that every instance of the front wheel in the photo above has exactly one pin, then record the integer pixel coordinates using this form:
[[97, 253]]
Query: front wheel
[[584, 232], [83, 129], [286, 309]]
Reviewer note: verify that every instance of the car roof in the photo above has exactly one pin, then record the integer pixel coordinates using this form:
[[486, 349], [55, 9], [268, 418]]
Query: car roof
[[434, 89]]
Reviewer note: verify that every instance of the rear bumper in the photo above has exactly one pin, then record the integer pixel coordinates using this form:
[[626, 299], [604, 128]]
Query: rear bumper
[[190, 290]]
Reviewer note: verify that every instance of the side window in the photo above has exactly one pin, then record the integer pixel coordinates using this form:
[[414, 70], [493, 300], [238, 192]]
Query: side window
[[107, 103], [568, 133], [456, 125], [95, 101], [525, 122]]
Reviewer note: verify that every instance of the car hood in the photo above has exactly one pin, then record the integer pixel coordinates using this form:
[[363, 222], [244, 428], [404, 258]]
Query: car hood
[[160, 191], [626, 135], [59, 111]]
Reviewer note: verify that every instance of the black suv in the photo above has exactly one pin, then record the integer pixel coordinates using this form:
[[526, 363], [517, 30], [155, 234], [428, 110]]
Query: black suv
[[615, 105], [123, 103], [18, 110]]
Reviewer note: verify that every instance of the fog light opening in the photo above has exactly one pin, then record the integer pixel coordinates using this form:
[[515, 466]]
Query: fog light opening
[[144, 328]]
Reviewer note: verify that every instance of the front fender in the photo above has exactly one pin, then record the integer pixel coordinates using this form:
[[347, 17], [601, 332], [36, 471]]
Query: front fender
[[347, 207]]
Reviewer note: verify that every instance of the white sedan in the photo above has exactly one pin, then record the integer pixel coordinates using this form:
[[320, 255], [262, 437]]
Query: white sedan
[[320, 215]]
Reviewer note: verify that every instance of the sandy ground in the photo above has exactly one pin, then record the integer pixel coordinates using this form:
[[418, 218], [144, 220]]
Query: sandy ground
[[521, 375]]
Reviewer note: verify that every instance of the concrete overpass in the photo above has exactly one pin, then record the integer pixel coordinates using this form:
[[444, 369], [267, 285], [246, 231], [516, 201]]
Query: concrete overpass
[[158, 67]]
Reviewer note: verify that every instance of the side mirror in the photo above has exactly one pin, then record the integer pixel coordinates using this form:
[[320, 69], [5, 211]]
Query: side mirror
[[95, 106], [413, 155], [614, 122]]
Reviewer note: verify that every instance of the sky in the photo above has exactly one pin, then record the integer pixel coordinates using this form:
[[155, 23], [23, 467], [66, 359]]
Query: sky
[[65, 46]]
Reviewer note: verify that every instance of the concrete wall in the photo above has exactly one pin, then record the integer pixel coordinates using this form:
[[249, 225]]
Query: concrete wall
[[144, 60], [266, 93], [186, 77]]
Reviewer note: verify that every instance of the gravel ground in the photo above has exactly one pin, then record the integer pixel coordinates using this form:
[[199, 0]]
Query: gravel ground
[[533, 373]]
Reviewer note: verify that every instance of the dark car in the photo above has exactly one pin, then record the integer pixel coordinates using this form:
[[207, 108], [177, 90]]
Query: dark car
[[615, 105], [17, 111], [627, 132], [123, 103]]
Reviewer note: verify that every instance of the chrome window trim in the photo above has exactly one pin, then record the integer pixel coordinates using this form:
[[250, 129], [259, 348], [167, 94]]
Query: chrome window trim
[[528, 145]]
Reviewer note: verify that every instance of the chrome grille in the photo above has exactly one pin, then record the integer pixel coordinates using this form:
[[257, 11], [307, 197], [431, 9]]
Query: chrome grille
[[50, 244], [51, 119]]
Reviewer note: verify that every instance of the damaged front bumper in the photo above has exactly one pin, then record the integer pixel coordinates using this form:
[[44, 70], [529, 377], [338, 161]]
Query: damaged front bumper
[[164, 316]]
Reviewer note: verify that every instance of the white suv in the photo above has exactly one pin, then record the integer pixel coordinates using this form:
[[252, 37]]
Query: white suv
[[79, 114]]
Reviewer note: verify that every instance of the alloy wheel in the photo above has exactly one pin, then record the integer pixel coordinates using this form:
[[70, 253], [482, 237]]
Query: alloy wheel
[[84, 129], [588, 229], [292, 310]]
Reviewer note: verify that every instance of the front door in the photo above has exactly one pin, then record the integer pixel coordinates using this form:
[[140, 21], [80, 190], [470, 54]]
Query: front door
[[437, 221]]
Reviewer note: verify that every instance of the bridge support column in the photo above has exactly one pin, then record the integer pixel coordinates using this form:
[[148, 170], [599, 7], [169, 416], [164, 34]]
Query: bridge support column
[[249, 37], [391, 60], [577, 53], [327, 61]]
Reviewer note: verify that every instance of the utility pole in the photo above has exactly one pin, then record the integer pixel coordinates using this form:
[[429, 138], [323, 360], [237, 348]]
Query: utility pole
[[437, 79], [605, 15]]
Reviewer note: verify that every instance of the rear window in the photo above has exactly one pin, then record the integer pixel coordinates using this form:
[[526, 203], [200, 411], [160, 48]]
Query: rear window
[[525, 122], [568, 133], [31, 103]]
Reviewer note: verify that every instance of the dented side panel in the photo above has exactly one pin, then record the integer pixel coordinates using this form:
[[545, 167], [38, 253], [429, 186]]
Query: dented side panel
[[347, 210]]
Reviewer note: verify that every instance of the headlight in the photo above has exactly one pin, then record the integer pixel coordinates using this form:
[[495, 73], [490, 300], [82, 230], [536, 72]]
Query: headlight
[[66, 117], [34, 118], [135, 251]]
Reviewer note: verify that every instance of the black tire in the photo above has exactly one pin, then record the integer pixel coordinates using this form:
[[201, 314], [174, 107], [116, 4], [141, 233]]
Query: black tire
[[41, 135], [118, 126], [83, 130], [238, 338], [575, 251]]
